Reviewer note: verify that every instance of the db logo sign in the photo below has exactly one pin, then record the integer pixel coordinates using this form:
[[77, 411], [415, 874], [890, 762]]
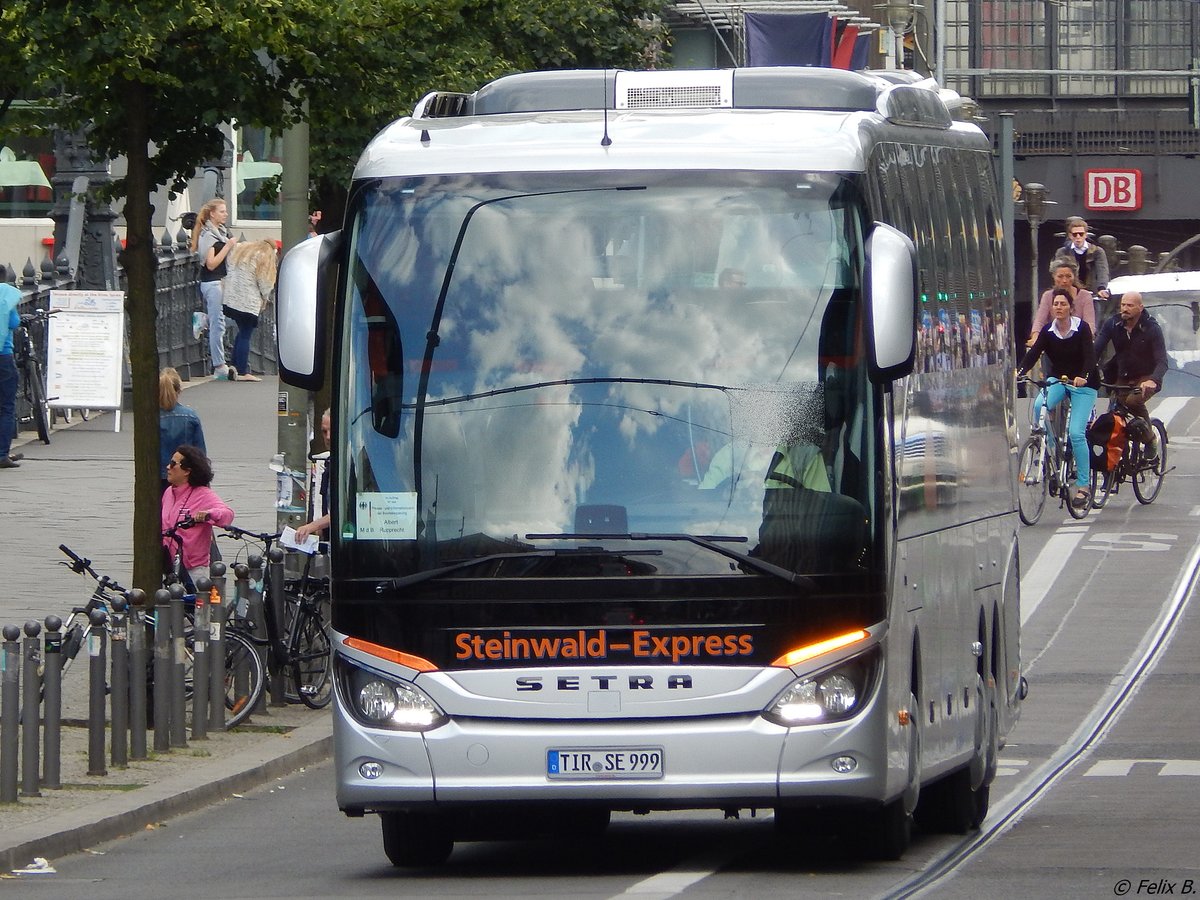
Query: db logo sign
[[1113, 189]]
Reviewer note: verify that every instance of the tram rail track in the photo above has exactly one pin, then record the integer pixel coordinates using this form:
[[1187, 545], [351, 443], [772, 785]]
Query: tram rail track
[[1091, 732]]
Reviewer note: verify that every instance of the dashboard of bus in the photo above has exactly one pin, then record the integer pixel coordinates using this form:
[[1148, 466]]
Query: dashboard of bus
[[618, 377]]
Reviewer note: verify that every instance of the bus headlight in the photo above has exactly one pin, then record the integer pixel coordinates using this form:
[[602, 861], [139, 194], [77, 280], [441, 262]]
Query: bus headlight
[[385, 702], [829, 696]]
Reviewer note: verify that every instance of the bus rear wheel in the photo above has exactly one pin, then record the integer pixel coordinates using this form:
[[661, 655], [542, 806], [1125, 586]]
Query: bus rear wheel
[[413, 840]]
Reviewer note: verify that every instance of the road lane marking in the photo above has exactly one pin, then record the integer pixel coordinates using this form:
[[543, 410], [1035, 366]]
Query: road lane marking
[[1039, 578], [1168, 409], [1165, 768], [1130, 541]]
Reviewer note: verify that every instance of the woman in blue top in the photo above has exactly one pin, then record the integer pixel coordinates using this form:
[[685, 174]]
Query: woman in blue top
[[1071, 356], [178, 425]]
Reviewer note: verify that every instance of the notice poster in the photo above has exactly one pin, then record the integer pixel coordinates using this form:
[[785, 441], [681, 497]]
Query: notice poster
[[85, 349]]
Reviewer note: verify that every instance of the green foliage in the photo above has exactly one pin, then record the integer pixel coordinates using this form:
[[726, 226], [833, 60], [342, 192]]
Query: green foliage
[[393, 52]]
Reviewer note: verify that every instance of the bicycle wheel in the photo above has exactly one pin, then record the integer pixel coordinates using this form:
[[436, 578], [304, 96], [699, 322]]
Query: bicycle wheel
[[244, 678], [1102, 485], [1068, 488], [1031, 481], [1148, 477], [312, 671], [37, 399]]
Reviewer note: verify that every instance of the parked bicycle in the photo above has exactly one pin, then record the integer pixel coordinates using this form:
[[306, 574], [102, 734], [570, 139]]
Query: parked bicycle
[[29, 367], [1046, 464], [245, 677], [1135, 465], [299, 645], [77, 625]]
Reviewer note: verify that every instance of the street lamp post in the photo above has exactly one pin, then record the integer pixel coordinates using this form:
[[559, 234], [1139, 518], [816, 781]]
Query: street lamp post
[[1034, 198]]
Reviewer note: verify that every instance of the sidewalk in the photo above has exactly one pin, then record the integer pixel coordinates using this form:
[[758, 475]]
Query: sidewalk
[[78, 490]]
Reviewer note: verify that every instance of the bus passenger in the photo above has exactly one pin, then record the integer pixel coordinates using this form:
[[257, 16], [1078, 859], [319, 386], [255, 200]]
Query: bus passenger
[[1067, 344], [1139, 357]]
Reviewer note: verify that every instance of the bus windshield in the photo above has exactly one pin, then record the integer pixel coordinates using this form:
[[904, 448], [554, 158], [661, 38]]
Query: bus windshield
[[556, 375]]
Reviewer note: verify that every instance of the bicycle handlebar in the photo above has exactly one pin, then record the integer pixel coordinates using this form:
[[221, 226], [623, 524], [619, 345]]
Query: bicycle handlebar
[[38, 315], [262, 537], [79, 565], [1126, 388]]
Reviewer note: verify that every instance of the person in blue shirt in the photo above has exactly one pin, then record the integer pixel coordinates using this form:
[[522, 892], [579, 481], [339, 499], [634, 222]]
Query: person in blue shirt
[[10, 297], [178, 425]]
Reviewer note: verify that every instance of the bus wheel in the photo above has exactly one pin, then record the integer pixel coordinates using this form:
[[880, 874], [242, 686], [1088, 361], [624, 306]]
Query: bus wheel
[[950, 806], [416, 839], [887, 831]]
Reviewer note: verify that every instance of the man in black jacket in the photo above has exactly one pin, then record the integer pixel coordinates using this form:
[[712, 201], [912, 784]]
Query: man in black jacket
[[1139, 355]]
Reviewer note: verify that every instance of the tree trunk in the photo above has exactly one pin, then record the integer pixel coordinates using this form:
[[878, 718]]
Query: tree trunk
[[140, 263]]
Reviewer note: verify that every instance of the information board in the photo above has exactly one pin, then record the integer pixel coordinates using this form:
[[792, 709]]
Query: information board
[[85, 349]]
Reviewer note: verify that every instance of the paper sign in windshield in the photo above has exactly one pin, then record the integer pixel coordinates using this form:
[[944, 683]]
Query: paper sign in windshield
[[388, 516]]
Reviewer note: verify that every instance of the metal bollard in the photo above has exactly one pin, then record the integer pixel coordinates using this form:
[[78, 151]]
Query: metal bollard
[[200, 662], [162, 671], [10, 713], [119, 751], [97, 687], [31, 724], [178, 674], [216, 655], [52, 704], [276, 611], [250, 574], [139, 660], [239, 606]]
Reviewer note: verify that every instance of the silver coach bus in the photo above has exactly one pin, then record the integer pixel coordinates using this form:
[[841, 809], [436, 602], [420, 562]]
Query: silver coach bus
[[673, 457]]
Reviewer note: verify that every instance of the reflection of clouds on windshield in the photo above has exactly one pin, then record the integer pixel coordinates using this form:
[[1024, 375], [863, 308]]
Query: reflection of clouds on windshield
[[607, 285]]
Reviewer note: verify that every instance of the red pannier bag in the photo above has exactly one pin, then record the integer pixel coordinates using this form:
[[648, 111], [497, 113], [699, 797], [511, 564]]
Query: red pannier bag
[[1106, 441]]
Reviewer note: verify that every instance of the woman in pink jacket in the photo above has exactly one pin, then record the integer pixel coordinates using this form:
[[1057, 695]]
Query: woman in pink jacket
[[1066, 276], [188, 496]]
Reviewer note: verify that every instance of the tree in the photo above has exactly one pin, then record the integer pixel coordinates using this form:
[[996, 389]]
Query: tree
[[153, 81], [403, 49]]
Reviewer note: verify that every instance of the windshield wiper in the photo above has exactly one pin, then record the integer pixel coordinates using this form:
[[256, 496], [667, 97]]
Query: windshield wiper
[[396, 584], [707, 541]]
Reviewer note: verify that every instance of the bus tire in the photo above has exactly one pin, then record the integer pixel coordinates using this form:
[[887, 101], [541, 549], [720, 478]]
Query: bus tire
[[413, 840], [950, 806], [887, 832]]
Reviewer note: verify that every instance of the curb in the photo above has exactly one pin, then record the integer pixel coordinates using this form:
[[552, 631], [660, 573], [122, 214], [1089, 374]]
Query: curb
[[65, 833]]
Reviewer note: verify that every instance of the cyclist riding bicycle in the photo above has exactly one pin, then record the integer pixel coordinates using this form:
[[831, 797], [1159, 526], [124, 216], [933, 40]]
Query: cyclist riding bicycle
[[1139, 360], [1067, 344]]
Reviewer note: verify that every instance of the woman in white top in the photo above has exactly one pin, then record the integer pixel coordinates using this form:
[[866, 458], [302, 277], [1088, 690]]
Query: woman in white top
[[248, 288], [213, 243]]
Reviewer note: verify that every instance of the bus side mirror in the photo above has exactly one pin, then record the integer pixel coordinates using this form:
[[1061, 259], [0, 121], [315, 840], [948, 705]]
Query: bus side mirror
[[891, 281], [306, 276]]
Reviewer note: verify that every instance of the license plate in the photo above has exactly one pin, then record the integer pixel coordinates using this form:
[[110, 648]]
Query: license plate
[[605, 762]]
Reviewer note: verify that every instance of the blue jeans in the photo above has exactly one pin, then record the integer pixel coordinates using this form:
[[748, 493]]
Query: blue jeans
[[246, 323], [211, 292], [1082, 401], [8, 403]]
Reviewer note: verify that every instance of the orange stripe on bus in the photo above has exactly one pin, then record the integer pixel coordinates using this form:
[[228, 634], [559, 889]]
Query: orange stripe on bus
[[800, 654], [396, 656]]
